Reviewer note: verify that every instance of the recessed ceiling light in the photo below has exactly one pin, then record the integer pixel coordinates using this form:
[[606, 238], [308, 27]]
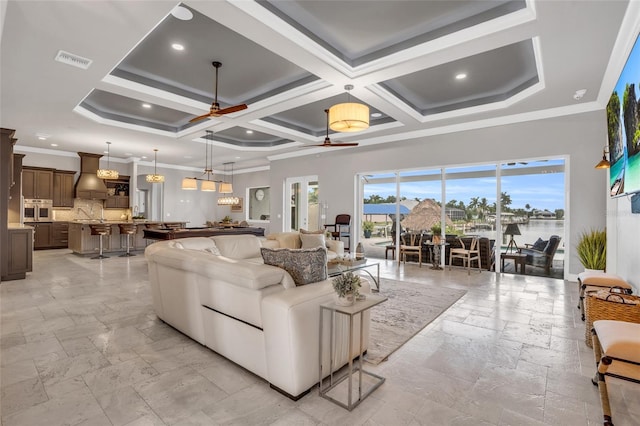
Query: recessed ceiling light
[[249, 132], [144, 156], [54, 144], [177, 46], [182, 13], [42, 136], [146, 106], [376, 114], [105, 152], [461, 76], [579, 94]]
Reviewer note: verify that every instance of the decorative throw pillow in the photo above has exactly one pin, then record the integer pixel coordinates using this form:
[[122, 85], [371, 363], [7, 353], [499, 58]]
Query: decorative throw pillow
[[539, 245], [312, 240], [304, 231], [305, 266]]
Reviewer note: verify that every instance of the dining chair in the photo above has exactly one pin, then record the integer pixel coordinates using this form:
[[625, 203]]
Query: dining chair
[[341, 229], [466, 254], [410, 243]]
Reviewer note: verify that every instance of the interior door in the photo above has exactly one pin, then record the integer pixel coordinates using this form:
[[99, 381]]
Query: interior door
[[301, 203]]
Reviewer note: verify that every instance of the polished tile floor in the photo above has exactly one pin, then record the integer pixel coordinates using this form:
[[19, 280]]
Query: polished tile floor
[[81, 346]]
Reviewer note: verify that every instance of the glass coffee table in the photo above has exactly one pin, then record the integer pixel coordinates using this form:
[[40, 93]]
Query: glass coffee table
[[351, 265]]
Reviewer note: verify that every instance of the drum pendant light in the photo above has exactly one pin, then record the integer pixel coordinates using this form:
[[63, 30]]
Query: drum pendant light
[[108, 173], [155, 177], [349, 116]]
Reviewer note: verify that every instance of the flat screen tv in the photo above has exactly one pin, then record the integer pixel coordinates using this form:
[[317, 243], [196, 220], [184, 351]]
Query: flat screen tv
[[623, 117]]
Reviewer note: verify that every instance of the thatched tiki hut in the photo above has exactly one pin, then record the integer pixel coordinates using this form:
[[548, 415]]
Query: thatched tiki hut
[[423, 216]]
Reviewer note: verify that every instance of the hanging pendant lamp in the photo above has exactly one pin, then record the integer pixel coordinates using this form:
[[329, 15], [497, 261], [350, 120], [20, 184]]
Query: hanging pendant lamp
[[349, 116], [208, 182], [227, 188], [108, 173], [155, 177]]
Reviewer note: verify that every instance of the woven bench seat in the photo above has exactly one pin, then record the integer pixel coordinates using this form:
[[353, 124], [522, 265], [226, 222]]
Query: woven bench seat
[[589, 281]]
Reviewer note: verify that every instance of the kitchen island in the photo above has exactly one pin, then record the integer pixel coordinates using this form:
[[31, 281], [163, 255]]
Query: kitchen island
[[83, 243], [171, 234]]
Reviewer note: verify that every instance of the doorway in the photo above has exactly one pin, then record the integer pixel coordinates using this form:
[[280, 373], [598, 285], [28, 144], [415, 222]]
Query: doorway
[[301, 203]]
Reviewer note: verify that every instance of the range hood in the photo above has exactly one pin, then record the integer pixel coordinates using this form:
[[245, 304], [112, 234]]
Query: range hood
[[89, 186]]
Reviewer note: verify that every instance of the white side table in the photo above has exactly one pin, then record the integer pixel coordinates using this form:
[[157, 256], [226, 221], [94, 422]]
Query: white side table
[[358, 308]]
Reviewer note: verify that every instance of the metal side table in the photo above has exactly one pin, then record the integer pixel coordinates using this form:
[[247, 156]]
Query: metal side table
[[358, 308]]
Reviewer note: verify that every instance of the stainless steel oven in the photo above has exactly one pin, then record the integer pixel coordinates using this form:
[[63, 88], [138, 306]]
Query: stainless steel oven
[[38, 210]]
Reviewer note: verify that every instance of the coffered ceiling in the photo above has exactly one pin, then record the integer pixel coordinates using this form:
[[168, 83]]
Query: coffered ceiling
[[422, 67]]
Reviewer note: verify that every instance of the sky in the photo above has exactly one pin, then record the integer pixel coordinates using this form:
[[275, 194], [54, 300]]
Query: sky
[[540, 191]]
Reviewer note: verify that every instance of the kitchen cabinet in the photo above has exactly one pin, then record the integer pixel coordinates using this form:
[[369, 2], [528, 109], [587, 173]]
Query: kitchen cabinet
[[63, 190], [43, 234], [20, 253], [117, 202], [120, 188], [37, 183], [60, 235]]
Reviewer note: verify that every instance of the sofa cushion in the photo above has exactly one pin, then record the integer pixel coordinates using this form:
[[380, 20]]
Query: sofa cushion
[[238, 246], [195, 243], [312, 240], [304, 265]]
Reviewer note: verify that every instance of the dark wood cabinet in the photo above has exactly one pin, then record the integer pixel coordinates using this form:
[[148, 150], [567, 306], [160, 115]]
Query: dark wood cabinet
[[120, 188], [21, 253], [63, 190], [37, 183], [60, 235], [117, 202], [43, 233]]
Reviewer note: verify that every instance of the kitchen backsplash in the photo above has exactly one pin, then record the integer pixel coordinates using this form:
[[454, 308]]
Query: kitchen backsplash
[[89, 209]]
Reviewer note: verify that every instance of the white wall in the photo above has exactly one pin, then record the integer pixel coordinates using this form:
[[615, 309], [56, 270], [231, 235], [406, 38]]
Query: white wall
[[578, 138], [623, 236]]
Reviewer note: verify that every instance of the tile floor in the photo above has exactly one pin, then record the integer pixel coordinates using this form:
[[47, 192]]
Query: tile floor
[[81, 346]]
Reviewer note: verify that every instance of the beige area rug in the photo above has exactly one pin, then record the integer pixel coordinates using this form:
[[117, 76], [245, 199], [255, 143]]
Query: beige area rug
[[410, 308]]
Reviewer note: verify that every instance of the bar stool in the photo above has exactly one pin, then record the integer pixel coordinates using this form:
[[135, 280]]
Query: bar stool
[[101, 230], [616, 346], [127, 229]]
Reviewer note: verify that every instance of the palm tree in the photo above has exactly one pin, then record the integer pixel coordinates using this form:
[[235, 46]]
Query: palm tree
[[484, 206]]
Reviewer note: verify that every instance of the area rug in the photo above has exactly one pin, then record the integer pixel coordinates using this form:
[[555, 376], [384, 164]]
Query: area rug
[[410, 308]]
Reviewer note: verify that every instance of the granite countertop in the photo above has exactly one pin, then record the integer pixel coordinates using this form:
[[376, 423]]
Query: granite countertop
[[117, 222], [19, 226]]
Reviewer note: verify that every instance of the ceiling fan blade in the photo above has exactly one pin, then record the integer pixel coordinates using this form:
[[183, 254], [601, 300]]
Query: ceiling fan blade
[[231, 109], [338, 144], [200, 117]]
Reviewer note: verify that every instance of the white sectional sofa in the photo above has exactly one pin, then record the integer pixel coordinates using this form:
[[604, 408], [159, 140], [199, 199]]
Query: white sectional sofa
[[249, 312]]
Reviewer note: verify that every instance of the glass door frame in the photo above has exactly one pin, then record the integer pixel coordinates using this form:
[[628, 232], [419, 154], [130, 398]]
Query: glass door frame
[[301, 201]]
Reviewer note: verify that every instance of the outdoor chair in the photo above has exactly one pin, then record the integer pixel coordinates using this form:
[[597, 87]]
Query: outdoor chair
[[341, 229], [541, 258], [411, 244], [466, 253]]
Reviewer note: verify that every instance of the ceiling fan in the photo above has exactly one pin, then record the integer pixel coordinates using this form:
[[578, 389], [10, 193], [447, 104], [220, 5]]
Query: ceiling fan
[[327, 142], [215, 110]]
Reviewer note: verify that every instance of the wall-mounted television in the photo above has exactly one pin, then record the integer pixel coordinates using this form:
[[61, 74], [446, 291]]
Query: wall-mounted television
[[623, 125]]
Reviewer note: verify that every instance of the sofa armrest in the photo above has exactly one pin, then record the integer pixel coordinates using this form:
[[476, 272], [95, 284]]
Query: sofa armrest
[[291, 324], [336, 246]]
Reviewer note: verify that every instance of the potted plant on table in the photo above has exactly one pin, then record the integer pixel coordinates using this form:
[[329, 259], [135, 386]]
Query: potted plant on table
[[367, 228], [592, 250], [436, 230], [347, 288]]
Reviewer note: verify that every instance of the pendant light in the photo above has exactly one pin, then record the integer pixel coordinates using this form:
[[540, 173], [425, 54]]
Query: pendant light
[[604, 163], [227, 188], [349, 116], [208, 182], [108, 173], [155, 177]]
